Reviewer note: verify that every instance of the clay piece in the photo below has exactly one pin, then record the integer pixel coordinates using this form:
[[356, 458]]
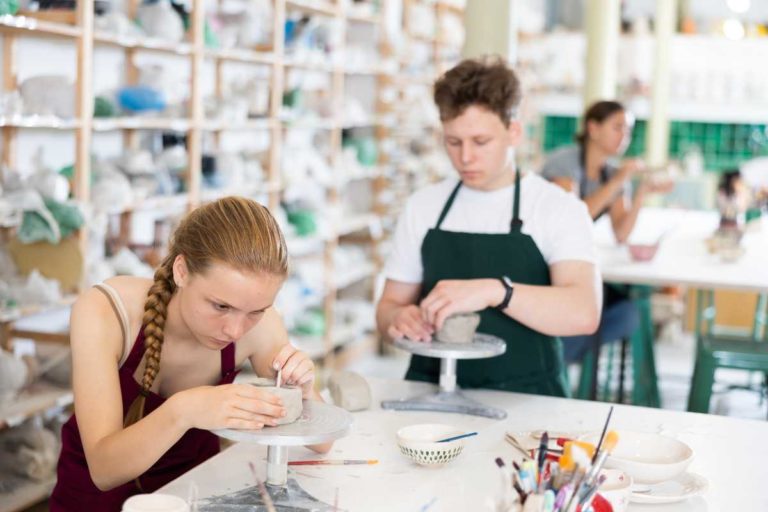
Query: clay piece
[[458, 328], [350, 391], [291, 397]]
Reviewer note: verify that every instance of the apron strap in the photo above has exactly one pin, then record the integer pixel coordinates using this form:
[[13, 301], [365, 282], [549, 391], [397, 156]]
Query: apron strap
[[516, 224], [448, 205]]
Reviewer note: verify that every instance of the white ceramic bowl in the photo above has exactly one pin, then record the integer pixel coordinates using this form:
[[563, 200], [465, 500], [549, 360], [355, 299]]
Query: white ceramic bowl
[[418, 443], [647, 458]]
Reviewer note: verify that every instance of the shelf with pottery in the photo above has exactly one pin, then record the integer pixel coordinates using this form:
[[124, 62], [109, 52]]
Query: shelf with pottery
[[17, 313], [216, 125], [373, 19], [313, 7], [310, 65], [25, 494], [144, 43], [39, 122], [212, 194], [316, 347], [105, 124], [353, 223], [241, 55], [37, 398], [25, 25], [310, 123], [349, 278]]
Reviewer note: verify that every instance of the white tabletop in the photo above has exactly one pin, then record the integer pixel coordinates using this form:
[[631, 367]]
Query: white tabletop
[[682, 258], [728, 453]]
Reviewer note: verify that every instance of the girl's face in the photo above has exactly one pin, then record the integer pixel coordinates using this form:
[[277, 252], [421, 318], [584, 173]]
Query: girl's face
[[478, 143], [221, 304], [614, 134]]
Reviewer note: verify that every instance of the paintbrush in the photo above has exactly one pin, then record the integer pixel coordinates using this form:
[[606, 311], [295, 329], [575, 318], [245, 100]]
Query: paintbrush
[[602, 435], [454, 438], [278, 379], [332, 462], [511, 440], [263, 490], [542, 457]]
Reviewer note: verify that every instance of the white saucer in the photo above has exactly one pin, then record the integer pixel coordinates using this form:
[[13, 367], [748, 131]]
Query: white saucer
[[680, 488]]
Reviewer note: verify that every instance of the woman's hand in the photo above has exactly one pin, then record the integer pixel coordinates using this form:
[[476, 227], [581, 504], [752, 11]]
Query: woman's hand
[[409, 323], [239, 406], [630, 168], [298, 369], [449, 297]]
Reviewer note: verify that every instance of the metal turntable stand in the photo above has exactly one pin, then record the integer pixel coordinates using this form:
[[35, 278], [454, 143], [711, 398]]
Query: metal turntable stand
[[449, 398], [319, 423]]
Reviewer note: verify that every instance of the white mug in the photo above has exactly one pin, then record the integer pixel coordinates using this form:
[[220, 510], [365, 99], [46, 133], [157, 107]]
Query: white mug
[[155, 503], [616, 488]]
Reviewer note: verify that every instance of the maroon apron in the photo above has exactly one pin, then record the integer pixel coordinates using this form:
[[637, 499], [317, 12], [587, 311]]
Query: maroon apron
[[75, 491]]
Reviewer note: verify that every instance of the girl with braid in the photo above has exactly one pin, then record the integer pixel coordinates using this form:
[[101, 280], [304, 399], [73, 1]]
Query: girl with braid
[[154, 361]]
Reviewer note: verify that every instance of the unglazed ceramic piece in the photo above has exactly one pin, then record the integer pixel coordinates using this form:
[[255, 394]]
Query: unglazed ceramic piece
[[291, 397], [459, 328], [350, 391]]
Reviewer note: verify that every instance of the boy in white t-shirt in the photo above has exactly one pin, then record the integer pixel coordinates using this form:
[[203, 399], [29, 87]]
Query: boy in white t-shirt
[[522, 256]]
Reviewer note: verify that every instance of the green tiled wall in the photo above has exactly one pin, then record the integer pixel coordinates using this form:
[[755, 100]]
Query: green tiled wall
[[724, 146]]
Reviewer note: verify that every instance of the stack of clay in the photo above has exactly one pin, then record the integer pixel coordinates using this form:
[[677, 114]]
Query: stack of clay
[[291, 397], [458, 328]]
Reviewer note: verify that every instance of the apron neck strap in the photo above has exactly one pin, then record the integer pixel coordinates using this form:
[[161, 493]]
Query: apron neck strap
[[516, 223], [448, 205]]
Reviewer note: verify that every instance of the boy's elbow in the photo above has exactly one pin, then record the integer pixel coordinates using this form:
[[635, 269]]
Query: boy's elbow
[[589, 322]]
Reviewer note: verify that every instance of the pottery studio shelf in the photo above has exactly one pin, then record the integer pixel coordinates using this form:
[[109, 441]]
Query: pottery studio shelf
[[25, 26], [37, 398], [26, 493]]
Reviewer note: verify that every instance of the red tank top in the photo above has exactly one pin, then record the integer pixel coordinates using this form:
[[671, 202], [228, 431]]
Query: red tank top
[[75, 491]]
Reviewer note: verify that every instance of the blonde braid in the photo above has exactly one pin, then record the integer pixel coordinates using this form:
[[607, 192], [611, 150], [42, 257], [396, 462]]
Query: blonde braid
[[155, 312]]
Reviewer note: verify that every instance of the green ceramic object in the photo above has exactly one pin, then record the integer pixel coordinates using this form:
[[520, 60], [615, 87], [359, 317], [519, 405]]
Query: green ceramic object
[[9, 7], [310, 323], [304, 221], [103, 107]]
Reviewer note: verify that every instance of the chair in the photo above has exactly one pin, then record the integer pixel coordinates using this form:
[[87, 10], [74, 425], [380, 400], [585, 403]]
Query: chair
[[715, 350]]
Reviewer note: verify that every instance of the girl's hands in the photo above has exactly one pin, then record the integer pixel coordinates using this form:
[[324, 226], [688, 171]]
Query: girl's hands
[[238, 406], [298, 369]]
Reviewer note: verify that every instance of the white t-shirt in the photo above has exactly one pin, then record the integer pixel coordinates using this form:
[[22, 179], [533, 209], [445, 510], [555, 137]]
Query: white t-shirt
[[557, 221]]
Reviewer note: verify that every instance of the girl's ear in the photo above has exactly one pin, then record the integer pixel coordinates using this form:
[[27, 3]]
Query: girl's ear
[[180, 271]]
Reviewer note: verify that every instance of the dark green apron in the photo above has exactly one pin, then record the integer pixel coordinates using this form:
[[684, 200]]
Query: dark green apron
[[533, 362]]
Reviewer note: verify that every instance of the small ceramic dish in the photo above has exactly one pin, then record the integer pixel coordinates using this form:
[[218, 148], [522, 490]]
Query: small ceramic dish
[[419, 443], [647, 458], [682, 487]]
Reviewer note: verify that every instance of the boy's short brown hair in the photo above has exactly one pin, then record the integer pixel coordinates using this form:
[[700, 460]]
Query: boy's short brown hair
[[487, 82]]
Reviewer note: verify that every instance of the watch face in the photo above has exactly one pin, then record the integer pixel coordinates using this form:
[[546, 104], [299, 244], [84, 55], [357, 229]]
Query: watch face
[[507, 281]]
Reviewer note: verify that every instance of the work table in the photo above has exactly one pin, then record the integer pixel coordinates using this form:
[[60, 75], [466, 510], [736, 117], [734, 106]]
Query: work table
[[728, 451]]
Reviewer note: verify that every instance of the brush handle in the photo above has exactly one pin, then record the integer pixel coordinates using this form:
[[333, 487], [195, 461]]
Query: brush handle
[[455, 438]]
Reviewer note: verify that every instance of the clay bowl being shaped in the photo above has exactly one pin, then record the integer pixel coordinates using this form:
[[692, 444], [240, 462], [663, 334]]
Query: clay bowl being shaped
[[643, 252], [647, 458], [458, 328], [291, 397], [419, 443]]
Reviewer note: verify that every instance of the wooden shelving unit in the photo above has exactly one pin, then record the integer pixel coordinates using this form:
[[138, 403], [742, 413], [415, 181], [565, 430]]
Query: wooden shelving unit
[[340, 344]]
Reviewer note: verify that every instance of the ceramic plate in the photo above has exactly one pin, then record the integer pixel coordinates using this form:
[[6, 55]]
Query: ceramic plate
[[680, 488]]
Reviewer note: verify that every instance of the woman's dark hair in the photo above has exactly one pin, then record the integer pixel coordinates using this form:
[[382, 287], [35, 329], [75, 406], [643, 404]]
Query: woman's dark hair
[[728, 181], [487, 82], [598, 112]]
